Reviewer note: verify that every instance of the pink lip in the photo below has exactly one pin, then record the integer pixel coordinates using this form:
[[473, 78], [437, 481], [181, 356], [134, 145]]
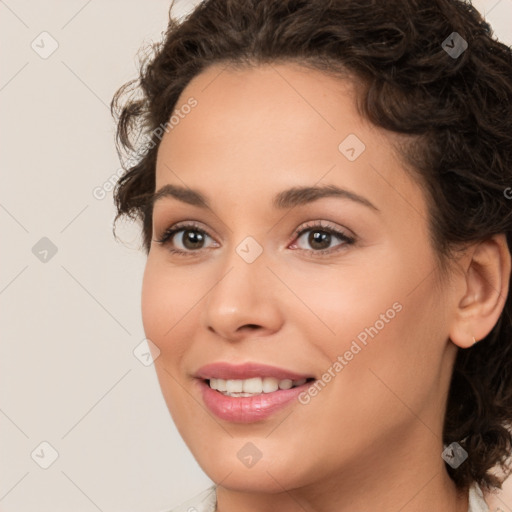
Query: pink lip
[[251, 408], [226, 371]]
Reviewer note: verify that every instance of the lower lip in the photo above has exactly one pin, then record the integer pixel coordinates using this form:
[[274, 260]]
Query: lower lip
[[248, 409]]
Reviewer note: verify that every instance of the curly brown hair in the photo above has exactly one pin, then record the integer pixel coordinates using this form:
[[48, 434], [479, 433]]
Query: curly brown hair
[[456, 110]]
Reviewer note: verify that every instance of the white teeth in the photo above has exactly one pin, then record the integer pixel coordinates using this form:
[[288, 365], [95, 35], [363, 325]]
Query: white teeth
[[269, 385], [253, 386], [219, 384], [234, 386], [285, 384]]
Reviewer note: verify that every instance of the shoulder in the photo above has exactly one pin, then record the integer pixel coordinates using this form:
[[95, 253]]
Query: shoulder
[[206, 501]]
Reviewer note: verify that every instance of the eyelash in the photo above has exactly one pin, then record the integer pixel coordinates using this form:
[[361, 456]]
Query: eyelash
[[190, 226]]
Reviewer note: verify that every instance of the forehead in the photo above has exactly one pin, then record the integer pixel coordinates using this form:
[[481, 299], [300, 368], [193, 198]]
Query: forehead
[[275, 95], [275, 126], [272, 112]]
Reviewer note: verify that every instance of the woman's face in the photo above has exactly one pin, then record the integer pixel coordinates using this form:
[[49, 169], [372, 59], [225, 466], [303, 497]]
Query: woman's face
[[262, 277]]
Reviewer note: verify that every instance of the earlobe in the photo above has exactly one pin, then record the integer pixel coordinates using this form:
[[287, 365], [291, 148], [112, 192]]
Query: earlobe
[[487, 280]]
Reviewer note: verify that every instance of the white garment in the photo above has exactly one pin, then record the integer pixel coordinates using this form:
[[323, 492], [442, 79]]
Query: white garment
[[476, 499], [206, 501]]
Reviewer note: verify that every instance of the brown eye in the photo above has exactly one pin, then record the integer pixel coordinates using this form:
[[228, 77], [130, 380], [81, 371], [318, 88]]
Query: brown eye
[[185, 239], [320, 238], [192, 239]]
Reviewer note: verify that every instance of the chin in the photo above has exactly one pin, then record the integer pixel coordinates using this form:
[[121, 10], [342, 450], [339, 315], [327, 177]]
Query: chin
[[252, 481], [269, 475]]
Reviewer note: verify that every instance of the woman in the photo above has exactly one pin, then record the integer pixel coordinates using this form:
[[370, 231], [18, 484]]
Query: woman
[[326, 211]]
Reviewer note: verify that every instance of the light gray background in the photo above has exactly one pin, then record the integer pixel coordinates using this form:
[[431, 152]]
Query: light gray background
[[70, 324]]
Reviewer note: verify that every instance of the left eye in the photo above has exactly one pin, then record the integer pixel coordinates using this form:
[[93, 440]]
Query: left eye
[[320, 238]]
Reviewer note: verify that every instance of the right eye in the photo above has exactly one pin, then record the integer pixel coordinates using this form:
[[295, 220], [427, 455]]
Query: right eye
[[191, 239]]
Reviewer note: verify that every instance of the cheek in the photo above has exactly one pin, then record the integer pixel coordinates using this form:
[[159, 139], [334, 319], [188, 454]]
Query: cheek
[[167, 298], [336, 304], [163, 304], [153, 305], [392, 357], [384, 326]]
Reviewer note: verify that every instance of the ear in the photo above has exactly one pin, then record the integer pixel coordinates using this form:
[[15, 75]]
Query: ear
[[486, 279]]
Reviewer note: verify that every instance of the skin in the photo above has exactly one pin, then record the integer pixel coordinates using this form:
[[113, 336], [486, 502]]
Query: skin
[[372, 438]]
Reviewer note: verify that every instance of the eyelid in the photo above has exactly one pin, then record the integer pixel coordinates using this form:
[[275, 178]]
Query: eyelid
[[323, 225]]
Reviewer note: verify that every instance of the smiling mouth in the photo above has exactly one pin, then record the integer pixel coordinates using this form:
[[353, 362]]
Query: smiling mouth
[[253, 386]]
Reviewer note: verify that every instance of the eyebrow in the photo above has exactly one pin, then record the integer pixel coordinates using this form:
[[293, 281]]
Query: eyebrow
[[289, 198]]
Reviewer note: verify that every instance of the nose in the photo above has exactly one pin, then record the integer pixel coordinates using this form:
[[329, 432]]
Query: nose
[[245, 300]]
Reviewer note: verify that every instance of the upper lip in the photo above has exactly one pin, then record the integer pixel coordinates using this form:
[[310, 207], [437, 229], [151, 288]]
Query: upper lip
[[223, 370]]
